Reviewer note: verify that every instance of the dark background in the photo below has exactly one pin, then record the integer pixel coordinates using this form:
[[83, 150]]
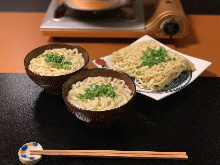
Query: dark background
[[190, 6]]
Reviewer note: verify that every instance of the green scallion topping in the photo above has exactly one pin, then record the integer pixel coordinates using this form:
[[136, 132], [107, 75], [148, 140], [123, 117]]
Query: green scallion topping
[[153, 57], [97, 90], [59, 61], [138, 73]]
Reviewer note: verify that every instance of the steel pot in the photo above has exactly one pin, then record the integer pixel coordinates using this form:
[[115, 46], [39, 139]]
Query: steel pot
[[95, 5]]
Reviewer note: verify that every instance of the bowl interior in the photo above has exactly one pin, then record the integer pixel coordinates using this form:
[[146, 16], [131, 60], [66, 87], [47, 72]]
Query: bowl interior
[[40, 50]]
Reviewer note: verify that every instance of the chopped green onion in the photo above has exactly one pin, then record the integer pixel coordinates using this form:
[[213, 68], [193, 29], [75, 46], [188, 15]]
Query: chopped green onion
[[57, 60], [97, 90], [153, 57], [138, 73]]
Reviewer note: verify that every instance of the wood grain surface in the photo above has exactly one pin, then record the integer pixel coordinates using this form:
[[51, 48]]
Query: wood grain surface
[[20, 33]]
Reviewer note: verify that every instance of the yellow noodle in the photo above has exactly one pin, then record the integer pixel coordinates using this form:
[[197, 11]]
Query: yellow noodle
[[101, 103], [155, 78], [38, 65]]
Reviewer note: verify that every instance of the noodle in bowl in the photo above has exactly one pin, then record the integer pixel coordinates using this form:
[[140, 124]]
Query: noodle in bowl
[[102, 102], [39, 65], [99, 112], [48, 76]]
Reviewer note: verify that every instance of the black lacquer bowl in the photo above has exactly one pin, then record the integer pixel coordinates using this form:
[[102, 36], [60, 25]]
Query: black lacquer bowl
[[98, 119], [53, 84]]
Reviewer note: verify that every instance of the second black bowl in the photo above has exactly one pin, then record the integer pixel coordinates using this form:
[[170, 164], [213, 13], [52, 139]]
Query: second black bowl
[[98, 119]]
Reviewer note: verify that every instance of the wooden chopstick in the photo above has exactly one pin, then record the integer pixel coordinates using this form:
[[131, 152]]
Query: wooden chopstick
[[113, 154]]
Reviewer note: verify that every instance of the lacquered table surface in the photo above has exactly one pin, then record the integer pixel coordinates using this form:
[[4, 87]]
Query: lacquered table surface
[[187, 121]]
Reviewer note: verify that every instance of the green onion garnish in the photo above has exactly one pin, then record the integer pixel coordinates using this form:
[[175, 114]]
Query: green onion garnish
[[97, 90], [153, 57], [57, 60]]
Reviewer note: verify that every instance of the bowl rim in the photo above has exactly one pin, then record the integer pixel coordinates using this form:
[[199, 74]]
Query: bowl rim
[[26, 67], [86, 110]]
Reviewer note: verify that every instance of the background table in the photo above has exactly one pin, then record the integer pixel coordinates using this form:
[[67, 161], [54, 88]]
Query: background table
[[186, 121]]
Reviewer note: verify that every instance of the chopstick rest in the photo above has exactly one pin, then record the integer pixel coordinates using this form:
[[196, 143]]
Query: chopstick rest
[[32, 152], [24, 153]]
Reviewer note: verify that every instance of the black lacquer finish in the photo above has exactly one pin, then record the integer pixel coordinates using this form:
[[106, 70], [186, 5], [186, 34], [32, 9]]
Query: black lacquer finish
[[186, 121]]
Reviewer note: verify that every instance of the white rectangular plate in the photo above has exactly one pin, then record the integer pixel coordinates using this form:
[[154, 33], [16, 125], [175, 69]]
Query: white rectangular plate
[[200, 65]]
